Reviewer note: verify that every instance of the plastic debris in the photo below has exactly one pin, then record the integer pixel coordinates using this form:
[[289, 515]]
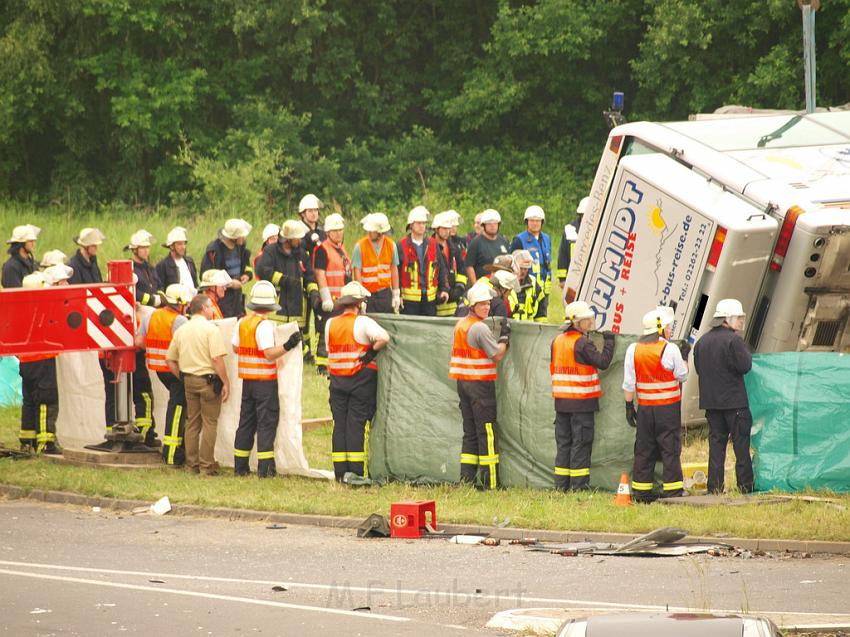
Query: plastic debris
[[467, 539]]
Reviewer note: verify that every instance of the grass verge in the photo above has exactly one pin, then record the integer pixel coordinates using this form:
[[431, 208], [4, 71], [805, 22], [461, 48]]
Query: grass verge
[[526, 508]]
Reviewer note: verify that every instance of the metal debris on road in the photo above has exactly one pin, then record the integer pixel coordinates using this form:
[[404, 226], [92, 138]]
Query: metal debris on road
[[663, 542]]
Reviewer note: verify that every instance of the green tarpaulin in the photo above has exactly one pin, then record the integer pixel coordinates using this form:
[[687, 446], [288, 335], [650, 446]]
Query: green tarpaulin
[[801, 420], [10, 381], [417, 430]]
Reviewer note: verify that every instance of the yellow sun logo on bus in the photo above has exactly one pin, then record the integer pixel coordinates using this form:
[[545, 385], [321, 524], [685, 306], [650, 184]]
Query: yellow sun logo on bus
[[656, 219]]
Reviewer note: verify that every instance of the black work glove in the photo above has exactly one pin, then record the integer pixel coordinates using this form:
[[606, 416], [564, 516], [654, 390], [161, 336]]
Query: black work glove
[[685, 349], [505, 331], [292, 341], [458, 290], [315, 300], [608, 336], [369, 356], [631, 414]]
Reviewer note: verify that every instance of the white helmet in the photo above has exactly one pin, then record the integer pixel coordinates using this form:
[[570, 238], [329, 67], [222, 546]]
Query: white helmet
[[293, 229], [453, 216], [523, 259], [419, 213], [480, 292], [52, 257], [139, 239], [22, 234], [89, 237], [352, 292], [578, 310], [376, 222], [263, 297], [490, 216], [271, 230], [58, 272], [177, 294], [534, 212], [334, 221], [441, 220], [583, 205], [728, 308], [178, 233], [656, 320], [214, 278], [505, 280], [34, 281], [235, 229], [309, 202]]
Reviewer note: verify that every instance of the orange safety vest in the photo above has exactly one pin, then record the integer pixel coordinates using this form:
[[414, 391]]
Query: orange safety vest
[[159, 338], [654, 384], [338, 272], [217, 315], [571, 379], [467, 362], [375, 268], [410, 290], [344, 352], [253, 365]]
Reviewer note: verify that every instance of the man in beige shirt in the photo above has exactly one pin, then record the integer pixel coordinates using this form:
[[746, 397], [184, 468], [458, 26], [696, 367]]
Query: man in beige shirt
[[197, 352]]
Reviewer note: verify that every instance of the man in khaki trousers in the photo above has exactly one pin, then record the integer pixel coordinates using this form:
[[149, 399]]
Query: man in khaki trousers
[[197, 353]]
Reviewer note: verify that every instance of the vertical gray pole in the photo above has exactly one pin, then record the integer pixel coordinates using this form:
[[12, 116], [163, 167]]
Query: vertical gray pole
[[809, 53]]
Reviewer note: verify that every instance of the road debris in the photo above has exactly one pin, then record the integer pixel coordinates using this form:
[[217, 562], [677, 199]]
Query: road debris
[[663, 542], [279, 589], [160, 507], [376, 525]]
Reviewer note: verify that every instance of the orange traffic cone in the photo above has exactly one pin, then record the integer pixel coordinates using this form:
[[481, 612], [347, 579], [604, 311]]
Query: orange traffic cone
[[624, 492]]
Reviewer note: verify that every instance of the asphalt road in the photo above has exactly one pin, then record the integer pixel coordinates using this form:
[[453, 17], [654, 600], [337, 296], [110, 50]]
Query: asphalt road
[[71, 571]]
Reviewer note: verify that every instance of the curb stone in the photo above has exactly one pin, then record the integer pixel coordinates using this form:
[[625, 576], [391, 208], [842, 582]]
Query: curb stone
[[329, 521]]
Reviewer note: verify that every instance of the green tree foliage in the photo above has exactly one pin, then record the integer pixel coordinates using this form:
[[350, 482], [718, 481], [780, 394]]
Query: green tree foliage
[[373, 104]]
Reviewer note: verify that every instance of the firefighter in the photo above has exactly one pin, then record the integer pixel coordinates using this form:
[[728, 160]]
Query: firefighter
[[308, 210], [147, 293], [375, 263], [253, 343], [177, 266], [216, 284], [155, 335], [721, 359], [270, 233], [21, 261], [654, 369], [286, 265], [332, 269], [457, 240], [451, 261], [539, 246], [568, 241], [40, 396], [353, 342], [476, 230], [228, 252], [58, 274], [576, 388], [475, 354], [486, 246], [87, 271], [527, 304], [422, 281]]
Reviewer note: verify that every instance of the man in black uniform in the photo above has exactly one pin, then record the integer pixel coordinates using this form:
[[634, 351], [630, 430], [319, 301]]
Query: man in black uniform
[[177, 266], [147, 293], [308, 210], [228, 252], [286, 265], [568, 240], [86, 271], [721, 358], [21, 261]]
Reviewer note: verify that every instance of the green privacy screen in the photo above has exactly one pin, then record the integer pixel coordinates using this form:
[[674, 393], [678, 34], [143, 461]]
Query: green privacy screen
[[801, 420], [417, 430]]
